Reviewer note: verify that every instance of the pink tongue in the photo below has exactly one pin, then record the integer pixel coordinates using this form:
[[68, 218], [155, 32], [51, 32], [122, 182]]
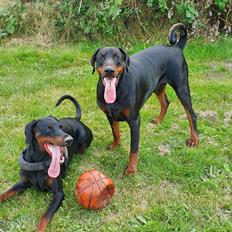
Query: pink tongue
[[110, 90], [55, 152]]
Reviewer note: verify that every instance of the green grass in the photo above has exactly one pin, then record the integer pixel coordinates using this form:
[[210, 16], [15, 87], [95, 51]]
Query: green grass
[[186, 190]]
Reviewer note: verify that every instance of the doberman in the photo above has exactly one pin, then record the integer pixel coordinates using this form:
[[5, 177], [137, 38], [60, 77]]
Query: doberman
[[125, 83], [51, 145]]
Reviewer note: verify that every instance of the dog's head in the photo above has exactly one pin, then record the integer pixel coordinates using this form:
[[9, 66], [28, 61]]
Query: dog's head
[[110, 64], [47, 130], [48, 134]]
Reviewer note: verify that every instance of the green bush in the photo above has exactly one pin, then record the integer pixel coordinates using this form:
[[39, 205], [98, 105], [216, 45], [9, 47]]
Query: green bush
[[91, 17], [187, 12], [10, 17], [110, 17], [117, 19]]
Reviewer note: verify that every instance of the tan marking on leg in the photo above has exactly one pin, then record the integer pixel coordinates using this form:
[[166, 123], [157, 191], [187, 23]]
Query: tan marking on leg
[[163, 106], [43, 223], [193, 141], [133, 164], [116, 135], [7, 195]]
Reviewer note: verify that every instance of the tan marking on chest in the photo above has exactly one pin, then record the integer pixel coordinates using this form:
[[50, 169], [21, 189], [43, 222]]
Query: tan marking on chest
[[126, 112]]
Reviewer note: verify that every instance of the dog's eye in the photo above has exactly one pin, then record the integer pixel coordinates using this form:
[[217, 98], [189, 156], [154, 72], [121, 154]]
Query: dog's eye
[[102, 56], [49, 128], [60, 127], [117, 59]]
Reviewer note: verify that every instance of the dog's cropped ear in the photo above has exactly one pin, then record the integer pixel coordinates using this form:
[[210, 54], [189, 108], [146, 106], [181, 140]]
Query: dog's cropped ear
[[93, 60], [29, 131], [126, 58]]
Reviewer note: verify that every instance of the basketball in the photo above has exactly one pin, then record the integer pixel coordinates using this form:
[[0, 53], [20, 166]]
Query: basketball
[[94, 190]]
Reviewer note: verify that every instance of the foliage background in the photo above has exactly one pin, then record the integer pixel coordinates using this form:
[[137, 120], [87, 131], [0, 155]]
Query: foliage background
[[117, 20]]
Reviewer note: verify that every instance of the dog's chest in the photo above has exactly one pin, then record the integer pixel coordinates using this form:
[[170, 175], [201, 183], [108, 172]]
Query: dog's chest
[[37, 179], [117, 113]]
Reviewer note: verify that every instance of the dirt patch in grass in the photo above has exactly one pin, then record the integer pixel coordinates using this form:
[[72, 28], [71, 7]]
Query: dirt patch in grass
[[164, 149], [228, 64], [208, 115], [224, 214], [183, 117], [218, 66], [227, 118]]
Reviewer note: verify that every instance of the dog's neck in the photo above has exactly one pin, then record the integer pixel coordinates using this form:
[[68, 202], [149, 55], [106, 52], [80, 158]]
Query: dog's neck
[[122, 89], [34, 154]]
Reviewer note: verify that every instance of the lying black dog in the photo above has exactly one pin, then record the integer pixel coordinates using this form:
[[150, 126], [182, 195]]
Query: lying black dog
[[125, 83], [51, 145]]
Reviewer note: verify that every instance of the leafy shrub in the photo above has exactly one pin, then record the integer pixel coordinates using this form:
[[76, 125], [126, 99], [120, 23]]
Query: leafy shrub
[[187, 12], [110, 17], [116, 19], [221, 3], [90, 17], [10, 17]]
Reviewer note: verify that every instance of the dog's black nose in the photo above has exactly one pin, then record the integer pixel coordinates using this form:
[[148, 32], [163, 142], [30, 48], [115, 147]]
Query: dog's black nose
[[68, 140], [109, 70]]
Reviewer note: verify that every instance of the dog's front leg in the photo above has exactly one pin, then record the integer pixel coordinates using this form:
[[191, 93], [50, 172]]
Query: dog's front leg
[[17, 188], [116, 133], [58, 197], [134, 148]]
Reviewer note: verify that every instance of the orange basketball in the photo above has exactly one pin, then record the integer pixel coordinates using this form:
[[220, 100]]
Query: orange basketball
[[94, 190]]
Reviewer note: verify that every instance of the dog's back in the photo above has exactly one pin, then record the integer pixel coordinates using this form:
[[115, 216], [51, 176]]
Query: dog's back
[[152, 67], [82, 135]]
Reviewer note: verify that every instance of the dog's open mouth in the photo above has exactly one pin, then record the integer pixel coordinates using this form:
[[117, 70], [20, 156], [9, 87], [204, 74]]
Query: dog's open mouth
[[57, 154], [110, 84]]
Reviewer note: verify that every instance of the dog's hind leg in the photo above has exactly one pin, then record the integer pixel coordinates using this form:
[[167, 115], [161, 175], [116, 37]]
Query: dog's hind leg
[[164, 103], [184, 96], [17, 188]]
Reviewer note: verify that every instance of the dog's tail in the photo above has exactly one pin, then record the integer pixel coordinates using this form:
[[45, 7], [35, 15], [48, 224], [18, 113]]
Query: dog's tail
[[74, 101], [172, 37]]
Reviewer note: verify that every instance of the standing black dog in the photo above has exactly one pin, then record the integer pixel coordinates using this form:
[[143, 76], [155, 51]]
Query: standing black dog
[[51, 145], [126, 83]]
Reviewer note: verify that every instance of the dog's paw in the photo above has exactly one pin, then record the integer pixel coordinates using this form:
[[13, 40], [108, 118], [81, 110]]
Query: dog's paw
[[193, 142], [156, 121], [130, 171], [112, 145]]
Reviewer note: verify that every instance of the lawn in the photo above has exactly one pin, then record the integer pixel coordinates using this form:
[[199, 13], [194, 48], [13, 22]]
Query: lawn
[[176, 188]]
